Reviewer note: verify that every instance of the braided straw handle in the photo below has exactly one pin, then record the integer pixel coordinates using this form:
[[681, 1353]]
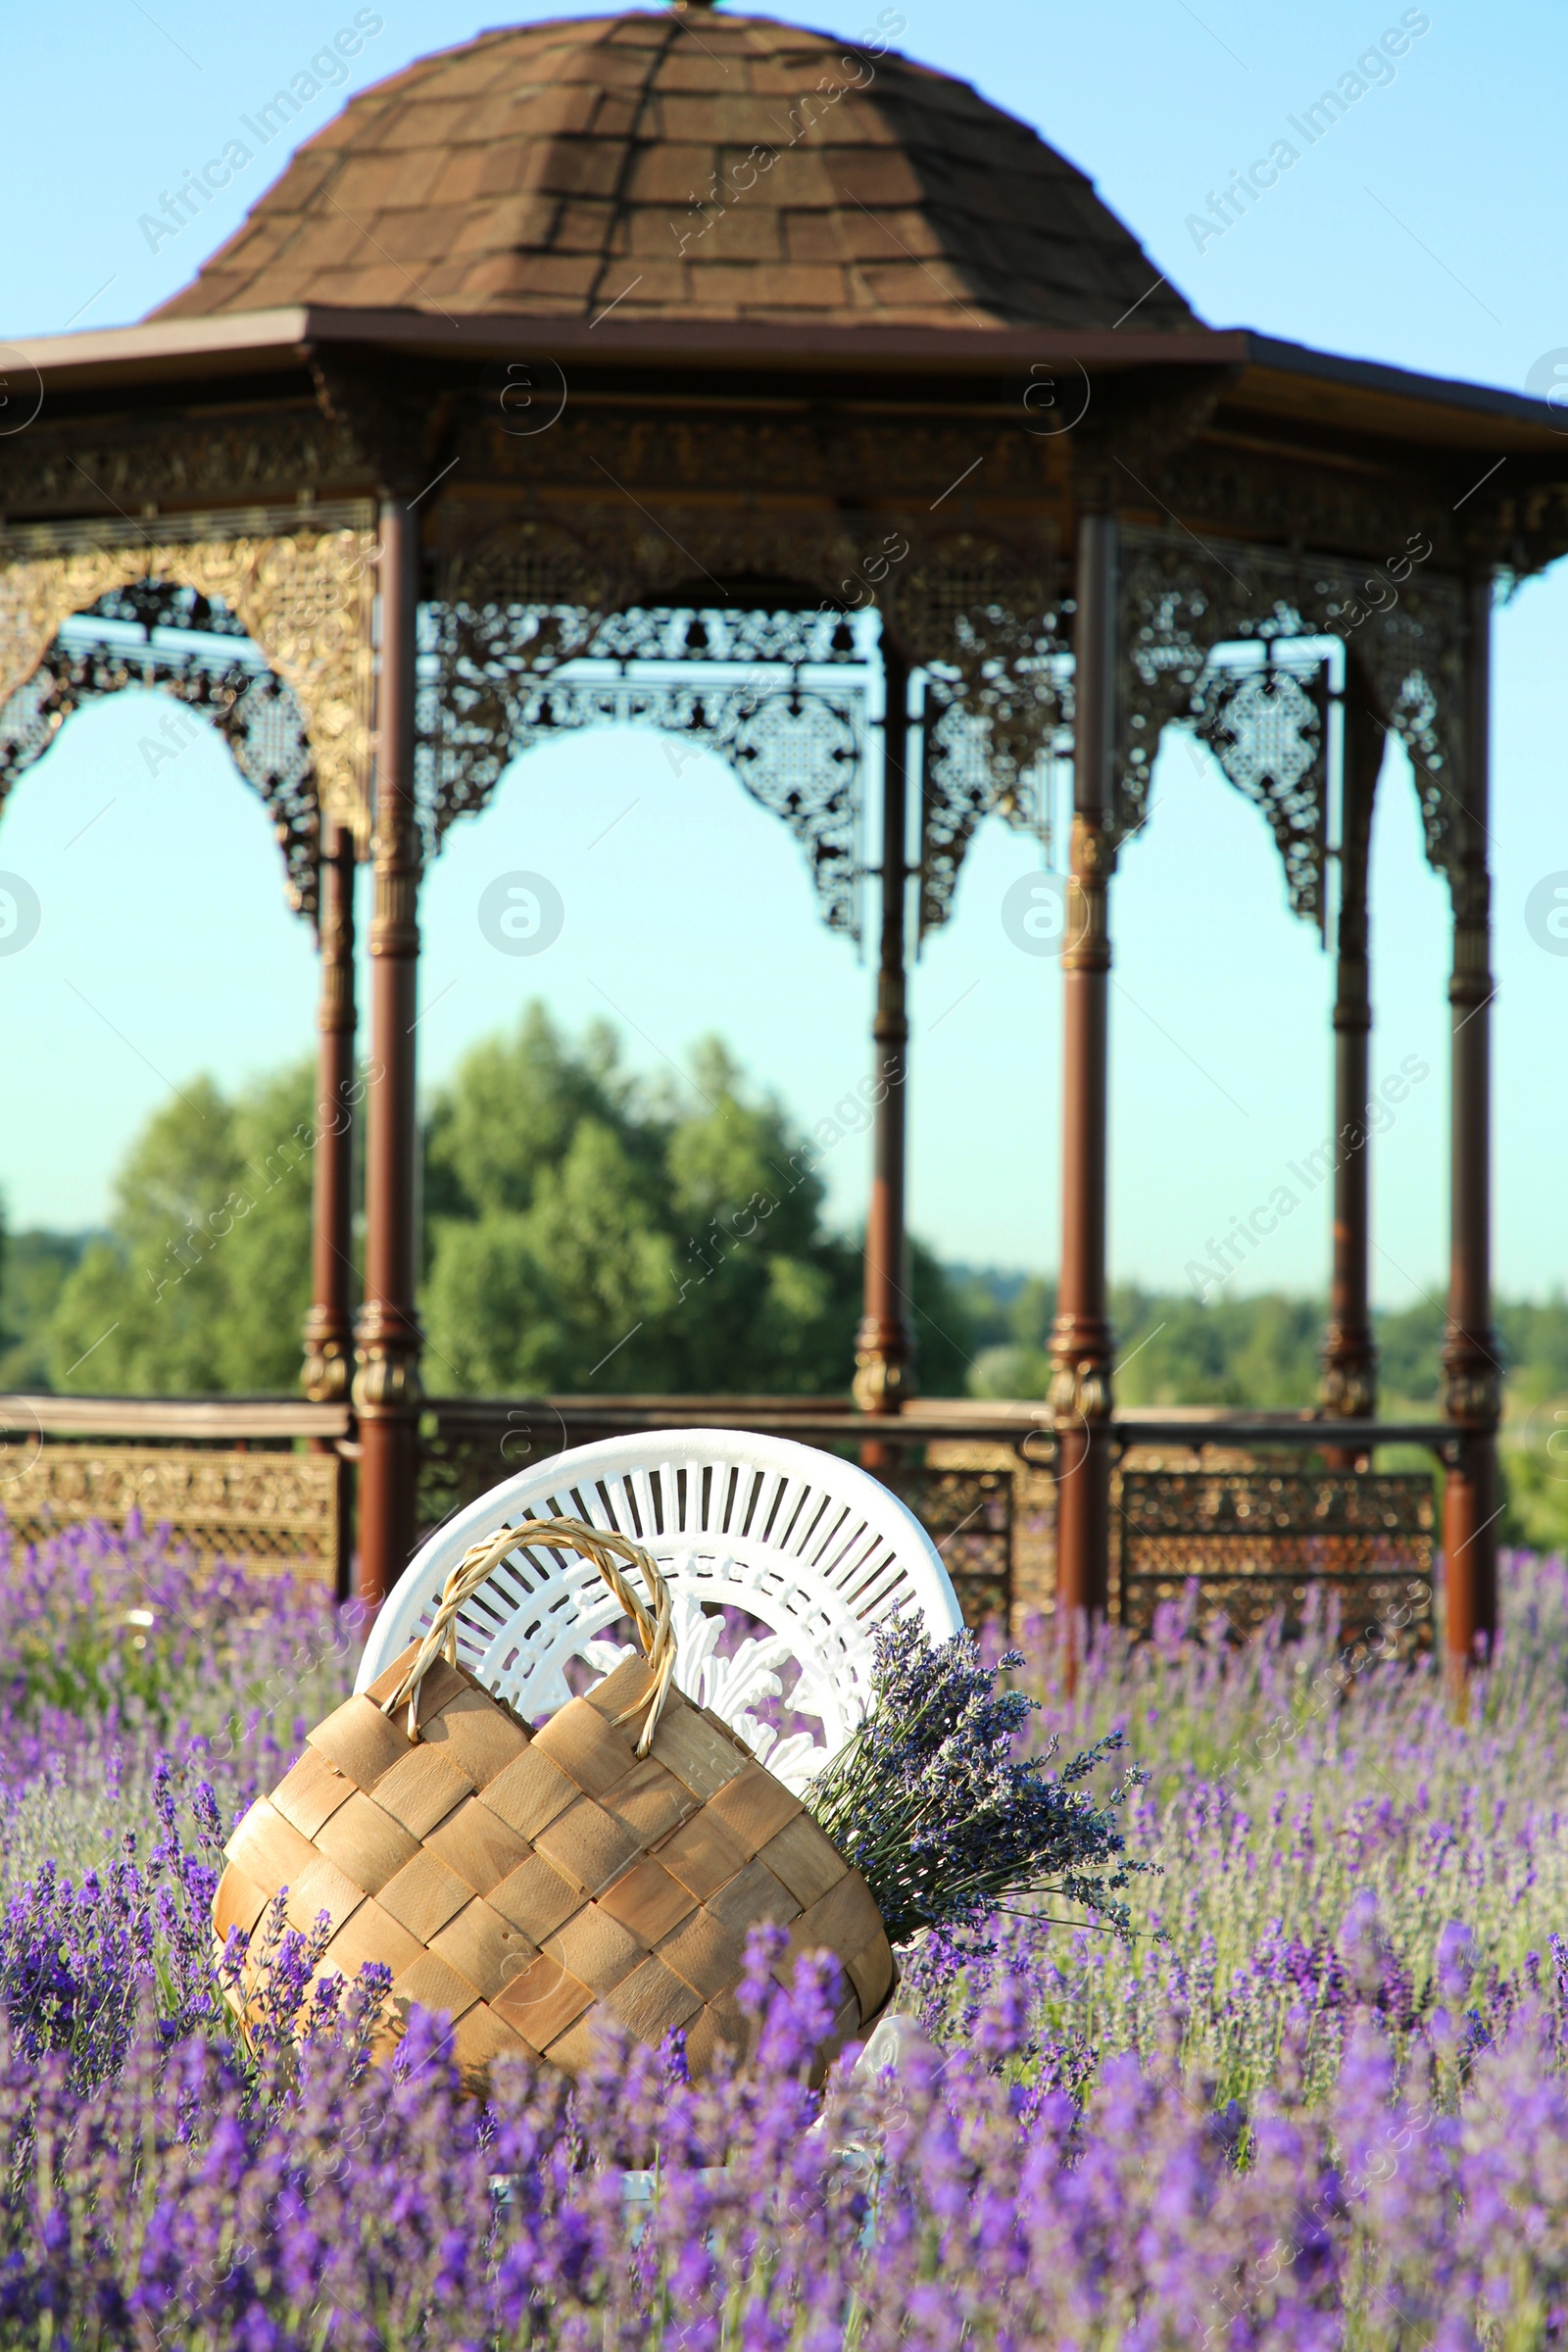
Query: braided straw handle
[[654, 1631]]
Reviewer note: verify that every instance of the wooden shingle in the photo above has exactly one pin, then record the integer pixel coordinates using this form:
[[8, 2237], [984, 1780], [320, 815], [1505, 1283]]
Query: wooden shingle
[[606, 125]]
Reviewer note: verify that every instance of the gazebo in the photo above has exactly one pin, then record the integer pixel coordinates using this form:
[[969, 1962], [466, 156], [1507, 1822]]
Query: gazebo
[[701, 372]]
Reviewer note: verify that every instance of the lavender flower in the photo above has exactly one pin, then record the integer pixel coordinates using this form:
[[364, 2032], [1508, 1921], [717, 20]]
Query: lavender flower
[[944, 1819], [1326, 2105]]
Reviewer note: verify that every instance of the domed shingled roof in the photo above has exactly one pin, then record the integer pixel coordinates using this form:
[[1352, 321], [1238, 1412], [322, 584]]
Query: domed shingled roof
[[555, 170]]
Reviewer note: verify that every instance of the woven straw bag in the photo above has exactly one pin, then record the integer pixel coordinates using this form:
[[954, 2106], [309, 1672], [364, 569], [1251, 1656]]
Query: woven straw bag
[[529, 1882]]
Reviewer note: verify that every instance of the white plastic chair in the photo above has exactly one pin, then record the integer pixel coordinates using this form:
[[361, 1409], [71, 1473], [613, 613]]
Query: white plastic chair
[[810, 1547]]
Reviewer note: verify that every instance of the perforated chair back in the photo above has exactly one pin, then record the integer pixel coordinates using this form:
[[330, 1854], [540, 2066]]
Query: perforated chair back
[[810, 1548]]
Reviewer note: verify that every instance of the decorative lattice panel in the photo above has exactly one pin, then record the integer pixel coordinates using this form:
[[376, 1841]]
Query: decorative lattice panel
[[273, 1513], [969, 1516], [1261, 1541]]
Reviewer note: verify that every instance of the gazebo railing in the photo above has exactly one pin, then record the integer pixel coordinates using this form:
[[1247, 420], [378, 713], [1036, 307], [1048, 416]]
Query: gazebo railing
[[1252, 1534], [1258, 1510], [267, 1480]]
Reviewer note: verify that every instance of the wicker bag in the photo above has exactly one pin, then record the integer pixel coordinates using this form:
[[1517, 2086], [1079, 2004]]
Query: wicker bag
[[526, 1882]]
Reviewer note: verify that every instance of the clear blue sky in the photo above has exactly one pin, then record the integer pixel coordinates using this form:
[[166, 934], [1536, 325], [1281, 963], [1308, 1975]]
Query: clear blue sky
[[1426, 231]]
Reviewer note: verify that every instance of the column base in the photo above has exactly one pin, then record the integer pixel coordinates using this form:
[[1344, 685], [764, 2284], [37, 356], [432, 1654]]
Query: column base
[[326, 1374], [884, 1370], [883, 1383], [1081, 1351], [1347, 1388]]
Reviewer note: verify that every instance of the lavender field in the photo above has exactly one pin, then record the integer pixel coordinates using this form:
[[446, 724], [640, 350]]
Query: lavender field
[[1322, 2100]]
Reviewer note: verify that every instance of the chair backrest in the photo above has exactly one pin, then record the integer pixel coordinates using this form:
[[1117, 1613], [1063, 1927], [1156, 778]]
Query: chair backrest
[[810, 1547]]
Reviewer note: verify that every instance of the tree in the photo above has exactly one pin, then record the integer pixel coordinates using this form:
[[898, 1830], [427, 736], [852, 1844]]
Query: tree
[[583, 1229], [203, 1281], [587, 1229], [511, 1112], [37, 1267]]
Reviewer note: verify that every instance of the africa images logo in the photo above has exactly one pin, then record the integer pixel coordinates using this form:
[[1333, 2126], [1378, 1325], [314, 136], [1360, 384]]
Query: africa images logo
[[1374, 69], [326, 70], [1227, 1256]]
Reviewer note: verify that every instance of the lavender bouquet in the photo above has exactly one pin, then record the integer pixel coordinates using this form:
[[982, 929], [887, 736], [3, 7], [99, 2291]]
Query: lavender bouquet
[[944, 1822]]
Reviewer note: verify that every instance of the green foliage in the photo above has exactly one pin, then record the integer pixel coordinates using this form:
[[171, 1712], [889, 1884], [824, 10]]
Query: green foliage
[[586, 1229], [1170, 1350], [1258, 1352], [1255, 1351], [35, 1266], [1409, 1366], [1535, 1343], [582, 1228], [512, 1111], [985, 1300], [203, 1280], [1535, 1482], [947, 1339]]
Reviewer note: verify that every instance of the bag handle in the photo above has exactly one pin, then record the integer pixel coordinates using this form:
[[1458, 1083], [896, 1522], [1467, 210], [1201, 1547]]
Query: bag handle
[[654, 1629]]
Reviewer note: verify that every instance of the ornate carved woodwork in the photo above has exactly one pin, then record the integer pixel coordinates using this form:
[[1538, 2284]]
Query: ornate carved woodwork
[[988, 626], [1259, 1542], [299, 581], [273, 1513], [1265, 728], [757, 454], [516, 600], [253, 709], [389, 418], [1182, 600], [1291, 498], [797, 749], [353, 431], [1522, 528], [106, 469]]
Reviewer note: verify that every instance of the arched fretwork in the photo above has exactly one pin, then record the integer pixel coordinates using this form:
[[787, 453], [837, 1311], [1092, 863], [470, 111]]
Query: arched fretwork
[[194, 649], [1265, 725], [299, 582], [528, 601], [261, 618], [1182, 601], [988, 625], [779, 696]]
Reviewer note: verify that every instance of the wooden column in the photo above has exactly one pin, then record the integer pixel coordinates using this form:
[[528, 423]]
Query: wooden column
[[884, 1345], [1081, 1340], [328, 1370], [1348, 1389], [326, 1374], [1472, 1357], [386, 1386]]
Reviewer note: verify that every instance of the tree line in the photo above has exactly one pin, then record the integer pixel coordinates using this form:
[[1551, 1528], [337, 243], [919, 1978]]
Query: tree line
[[585, 1228]]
